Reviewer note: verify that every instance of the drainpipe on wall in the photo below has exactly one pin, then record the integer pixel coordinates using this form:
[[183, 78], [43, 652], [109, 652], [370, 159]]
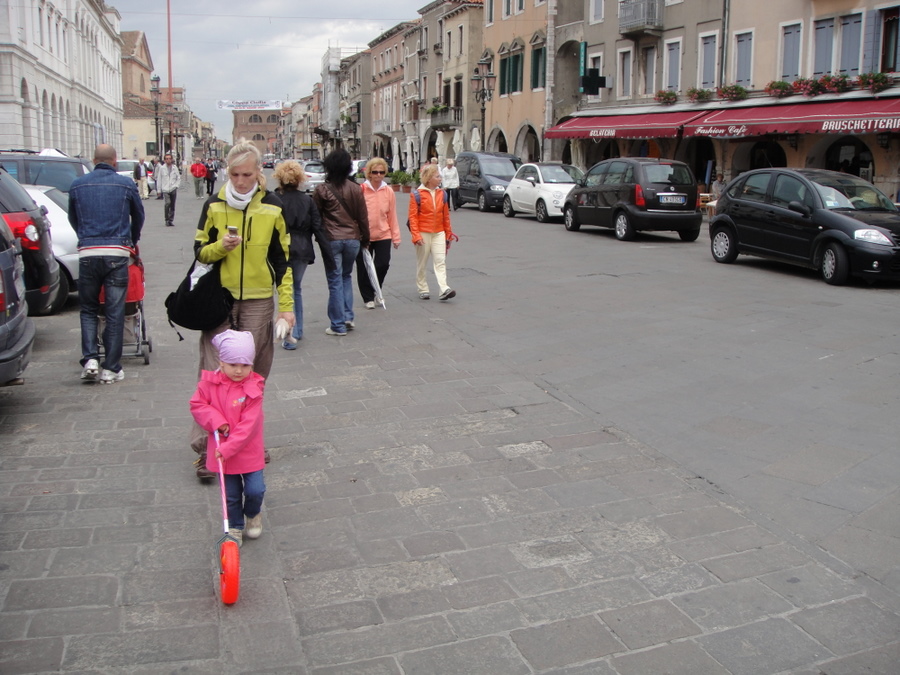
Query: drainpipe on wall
[[549, 117]]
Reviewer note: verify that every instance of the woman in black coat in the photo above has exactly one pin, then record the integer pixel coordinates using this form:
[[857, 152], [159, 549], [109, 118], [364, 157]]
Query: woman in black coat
[[303, 221]]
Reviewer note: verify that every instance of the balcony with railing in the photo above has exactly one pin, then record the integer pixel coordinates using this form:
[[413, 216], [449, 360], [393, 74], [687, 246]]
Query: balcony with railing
[[447, 118], [381, 127], [640, 16]]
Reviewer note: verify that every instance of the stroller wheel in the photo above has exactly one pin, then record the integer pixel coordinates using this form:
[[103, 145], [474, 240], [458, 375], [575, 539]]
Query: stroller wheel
[[230, 571], [145, 351]]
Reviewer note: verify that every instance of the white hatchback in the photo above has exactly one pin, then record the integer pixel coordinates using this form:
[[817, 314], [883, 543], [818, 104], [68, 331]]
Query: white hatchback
[[540, 188], [62, 236]]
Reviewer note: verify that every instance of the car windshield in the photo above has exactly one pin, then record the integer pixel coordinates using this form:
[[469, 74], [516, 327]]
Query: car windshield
[[314, 167], [852, 193], [676, 174], [126, 165], [561, 174], [59, 198], [501, 167]]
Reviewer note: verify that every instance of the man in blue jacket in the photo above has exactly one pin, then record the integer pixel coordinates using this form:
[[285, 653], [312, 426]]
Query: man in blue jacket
[[106, 212]]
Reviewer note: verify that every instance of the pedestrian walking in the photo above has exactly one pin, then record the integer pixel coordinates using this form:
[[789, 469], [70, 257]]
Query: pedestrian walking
[[198, 171], [212, 171], [450, 182], [384, 230], [303, 221], [141, 170], [230, 400], [343, 209], [429, 225], [106, 213], [256, 272], [167, 181]]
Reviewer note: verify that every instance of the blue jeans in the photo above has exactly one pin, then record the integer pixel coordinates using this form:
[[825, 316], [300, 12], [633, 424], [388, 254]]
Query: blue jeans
[[298, 268], [340, 284], [244, 494], [111, 274]]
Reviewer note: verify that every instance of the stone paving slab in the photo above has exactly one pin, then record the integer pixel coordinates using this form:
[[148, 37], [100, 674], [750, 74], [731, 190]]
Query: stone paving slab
[[430, 509]]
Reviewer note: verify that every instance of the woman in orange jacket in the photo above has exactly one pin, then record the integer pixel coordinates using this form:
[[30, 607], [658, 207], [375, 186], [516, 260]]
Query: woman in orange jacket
[[384, 231], [429, 224]]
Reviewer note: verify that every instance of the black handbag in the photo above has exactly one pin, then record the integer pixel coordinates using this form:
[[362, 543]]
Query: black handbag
[[205, 306]]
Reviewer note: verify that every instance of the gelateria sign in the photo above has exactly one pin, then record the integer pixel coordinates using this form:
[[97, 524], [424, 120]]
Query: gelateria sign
[[249, 105]]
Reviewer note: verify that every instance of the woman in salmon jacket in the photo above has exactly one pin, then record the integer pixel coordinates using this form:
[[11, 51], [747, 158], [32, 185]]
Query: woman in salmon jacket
[[384, 231]]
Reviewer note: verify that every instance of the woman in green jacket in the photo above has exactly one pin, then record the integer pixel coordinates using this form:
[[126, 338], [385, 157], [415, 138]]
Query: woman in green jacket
[[243, 226]]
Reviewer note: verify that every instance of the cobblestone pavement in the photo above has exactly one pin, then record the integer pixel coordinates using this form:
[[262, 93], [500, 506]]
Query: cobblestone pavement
[[433, 507]]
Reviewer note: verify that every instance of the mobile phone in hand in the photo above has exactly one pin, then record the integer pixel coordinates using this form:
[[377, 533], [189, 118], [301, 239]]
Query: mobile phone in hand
[[232, 231]]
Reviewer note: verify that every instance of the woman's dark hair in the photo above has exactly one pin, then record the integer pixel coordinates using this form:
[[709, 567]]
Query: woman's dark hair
[[337, 166]]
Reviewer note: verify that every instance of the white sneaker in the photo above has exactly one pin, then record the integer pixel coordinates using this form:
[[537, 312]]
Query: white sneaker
[[350, 325], [91, 370], [253, 528], [108, 376], [370, 305]]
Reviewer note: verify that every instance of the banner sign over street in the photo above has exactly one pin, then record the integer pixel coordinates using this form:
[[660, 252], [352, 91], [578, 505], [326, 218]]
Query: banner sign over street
[[248, 105]]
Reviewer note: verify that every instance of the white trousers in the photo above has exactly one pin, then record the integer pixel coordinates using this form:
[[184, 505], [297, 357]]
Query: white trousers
[[434, 244]]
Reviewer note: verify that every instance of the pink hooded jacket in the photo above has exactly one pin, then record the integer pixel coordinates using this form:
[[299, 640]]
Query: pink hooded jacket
[[219, 400]]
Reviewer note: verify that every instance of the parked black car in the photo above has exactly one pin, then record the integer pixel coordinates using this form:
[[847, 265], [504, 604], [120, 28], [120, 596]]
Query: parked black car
[[483, 177], [16, 329], [33, 168], [834, 222], [28, 224], [633, 194]]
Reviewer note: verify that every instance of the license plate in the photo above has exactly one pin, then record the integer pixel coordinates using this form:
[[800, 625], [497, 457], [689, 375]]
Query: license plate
[[672, 199]]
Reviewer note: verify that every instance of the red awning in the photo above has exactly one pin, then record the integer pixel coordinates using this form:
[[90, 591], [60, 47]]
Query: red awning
[[649, 125], [867, 116]]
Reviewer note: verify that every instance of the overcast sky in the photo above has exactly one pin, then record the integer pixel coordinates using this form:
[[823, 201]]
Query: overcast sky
[[267, 49]]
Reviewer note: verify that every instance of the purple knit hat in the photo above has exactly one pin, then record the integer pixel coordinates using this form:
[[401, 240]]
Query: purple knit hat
[[235, 347]]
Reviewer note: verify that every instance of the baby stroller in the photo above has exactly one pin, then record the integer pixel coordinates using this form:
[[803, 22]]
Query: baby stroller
[[136, 341]]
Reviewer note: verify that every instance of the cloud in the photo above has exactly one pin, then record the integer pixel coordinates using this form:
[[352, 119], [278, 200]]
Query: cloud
[[269, 49]]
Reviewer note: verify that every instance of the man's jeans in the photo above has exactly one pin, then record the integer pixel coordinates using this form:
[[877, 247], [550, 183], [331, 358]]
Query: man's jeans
[[169, 206], [111, 274], [340, 283], [298, 269], [244, 494]]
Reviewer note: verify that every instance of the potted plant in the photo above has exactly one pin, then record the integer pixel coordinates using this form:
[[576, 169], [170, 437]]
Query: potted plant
[[874, 82], [836, 84], [437, 108], [779, 88], [393, 181], [695, 94], [732, 92], [807, 86], [666, 96]]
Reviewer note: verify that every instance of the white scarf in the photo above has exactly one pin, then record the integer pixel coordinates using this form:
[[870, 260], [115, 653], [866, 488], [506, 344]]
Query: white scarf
[[235, 199]]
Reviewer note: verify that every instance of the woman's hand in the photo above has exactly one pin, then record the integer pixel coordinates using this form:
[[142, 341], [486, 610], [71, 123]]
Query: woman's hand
[[231, 242], [397, 245], [224, 429], [288, 317]]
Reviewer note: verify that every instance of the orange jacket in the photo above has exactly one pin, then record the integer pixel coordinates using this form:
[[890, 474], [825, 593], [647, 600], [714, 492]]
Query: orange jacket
[[433, 215]]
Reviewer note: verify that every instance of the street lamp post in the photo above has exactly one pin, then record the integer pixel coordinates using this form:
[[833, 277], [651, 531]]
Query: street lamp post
[[154, 94], [483, 88]]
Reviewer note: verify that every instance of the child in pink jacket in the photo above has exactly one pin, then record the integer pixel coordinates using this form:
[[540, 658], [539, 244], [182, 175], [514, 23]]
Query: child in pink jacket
[[230, 401]]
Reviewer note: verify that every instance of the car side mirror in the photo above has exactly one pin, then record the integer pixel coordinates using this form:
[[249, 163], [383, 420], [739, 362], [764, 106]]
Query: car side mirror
[[801, 208], [530, 179]]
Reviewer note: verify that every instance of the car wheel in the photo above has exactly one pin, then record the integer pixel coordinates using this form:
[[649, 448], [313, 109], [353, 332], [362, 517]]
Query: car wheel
[[540, 210], [835, 265], [689, 235], [624, 229], [62, 293], [482, 202], [507, 208], [723, 245], [571, 220]]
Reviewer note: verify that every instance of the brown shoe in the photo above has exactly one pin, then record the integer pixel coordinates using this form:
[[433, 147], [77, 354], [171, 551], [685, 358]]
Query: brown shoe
[[203, 473]]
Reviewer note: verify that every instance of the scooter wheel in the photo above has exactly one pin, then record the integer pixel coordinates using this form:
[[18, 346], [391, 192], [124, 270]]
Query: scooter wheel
[[230, 572]]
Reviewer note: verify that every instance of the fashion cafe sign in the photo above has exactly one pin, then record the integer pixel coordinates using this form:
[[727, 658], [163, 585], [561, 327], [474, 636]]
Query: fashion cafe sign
[[731, 130]]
